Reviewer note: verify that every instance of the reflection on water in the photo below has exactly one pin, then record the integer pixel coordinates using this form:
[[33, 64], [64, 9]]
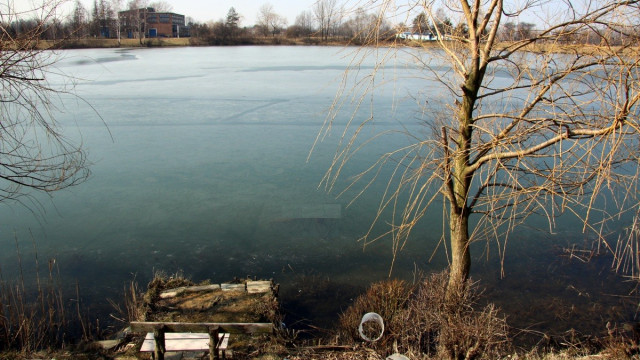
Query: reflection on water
[[207, 173]]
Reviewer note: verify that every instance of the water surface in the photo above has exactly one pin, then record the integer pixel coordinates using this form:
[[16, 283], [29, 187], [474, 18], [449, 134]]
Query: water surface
[[200, 165]]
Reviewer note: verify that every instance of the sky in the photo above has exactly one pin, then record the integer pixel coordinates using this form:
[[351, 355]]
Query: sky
[[205, 10], [213, 10]]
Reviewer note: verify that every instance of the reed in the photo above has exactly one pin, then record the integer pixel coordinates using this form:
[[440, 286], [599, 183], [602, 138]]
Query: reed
[[132, 307], [34, 314]]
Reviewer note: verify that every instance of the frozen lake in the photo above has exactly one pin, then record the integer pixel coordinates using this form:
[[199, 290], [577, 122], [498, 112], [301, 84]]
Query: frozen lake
[[200, 166]]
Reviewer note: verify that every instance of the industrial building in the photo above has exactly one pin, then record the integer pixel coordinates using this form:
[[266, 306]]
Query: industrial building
[[152, 24]]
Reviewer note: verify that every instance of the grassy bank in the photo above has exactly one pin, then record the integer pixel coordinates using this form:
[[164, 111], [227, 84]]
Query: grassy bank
[[39, 311], [112, 43], [418, 322], [213, 41], [87, 43]]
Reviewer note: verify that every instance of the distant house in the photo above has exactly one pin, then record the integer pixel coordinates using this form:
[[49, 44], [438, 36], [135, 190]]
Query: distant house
[[418, 37], [152, 24]]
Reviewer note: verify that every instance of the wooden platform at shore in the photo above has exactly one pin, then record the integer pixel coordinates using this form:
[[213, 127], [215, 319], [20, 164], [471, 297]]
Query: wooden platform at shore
[[241, 301], [241, 313]]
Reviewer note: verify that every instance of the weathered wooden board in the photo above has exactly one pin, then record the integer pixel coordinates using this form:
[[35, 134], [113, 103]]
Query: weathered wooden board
[[251, 287], [231, 287], [187, 289], [234, 328], [255, 287], [184, 342], [187, 318]]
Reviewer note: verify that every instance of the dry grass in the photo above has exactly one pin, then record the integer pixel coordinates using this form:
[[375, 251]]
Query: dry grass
[[133, 307], [328, 353], [36, 314], [419, 322], [389, 299], [164, 42], [112, 43], [135, 303], [28, 322], [621, 342]]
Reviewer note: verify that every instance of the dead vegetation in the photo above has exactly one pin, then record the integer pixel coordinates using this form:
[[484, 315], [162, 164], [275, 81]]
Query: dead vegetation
[[419, 321], [213, 305], [176, 298], [421, 324], [40, 311]]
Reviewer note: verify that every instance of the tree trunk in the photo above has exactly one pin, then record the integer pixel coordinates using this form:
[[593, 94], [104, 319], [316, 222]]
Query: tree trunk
[[460, 257], [460, 183]]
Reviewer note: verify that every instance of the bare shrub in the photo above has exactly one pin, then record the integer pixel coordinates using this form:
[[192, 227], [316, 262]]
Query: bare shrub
[[387, 298], [451, 329], [472, 334], [622, 341], [419, 320]]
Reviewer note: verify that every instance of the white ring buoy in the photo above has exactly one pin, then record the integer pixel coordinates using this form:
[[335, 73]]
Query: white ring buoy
[[375, 318]]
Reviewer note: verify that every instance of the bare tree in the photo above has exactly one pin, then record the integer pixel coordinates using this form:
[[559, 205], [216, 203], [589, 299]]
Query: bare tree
[[525, 30], [79, 20], [269, 20], [522, 127], [421, 24], [34, 154], [304, 23], [359, 25], [508, 31], [103, 18], [136, 18], [116, 5], [161, 6], [325, 12]]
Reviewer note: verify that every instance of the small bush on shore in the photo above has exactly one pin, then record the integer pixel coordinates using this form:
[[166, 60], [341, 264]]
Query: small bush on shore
[[419, 321], [389, 299]]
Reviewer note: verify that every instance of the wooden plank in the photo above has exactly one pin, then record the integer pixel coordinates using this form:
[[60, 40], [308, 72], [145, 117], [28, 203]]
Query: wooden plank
[[233, 328], [225, 341], [185, 342], [231, 287], [188, 289], [254, 287]]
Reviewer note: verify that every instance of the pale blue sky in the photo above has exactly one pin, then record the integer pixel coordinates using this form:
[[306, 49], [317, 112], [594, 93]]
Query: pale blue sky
[[213, 10], [205, 10], [200, 10]]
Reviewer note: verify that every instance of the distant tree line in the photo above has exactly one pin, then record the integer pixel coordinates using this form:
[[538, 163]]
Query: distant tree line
[[326, 21], [440, 25], [100, 22]]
